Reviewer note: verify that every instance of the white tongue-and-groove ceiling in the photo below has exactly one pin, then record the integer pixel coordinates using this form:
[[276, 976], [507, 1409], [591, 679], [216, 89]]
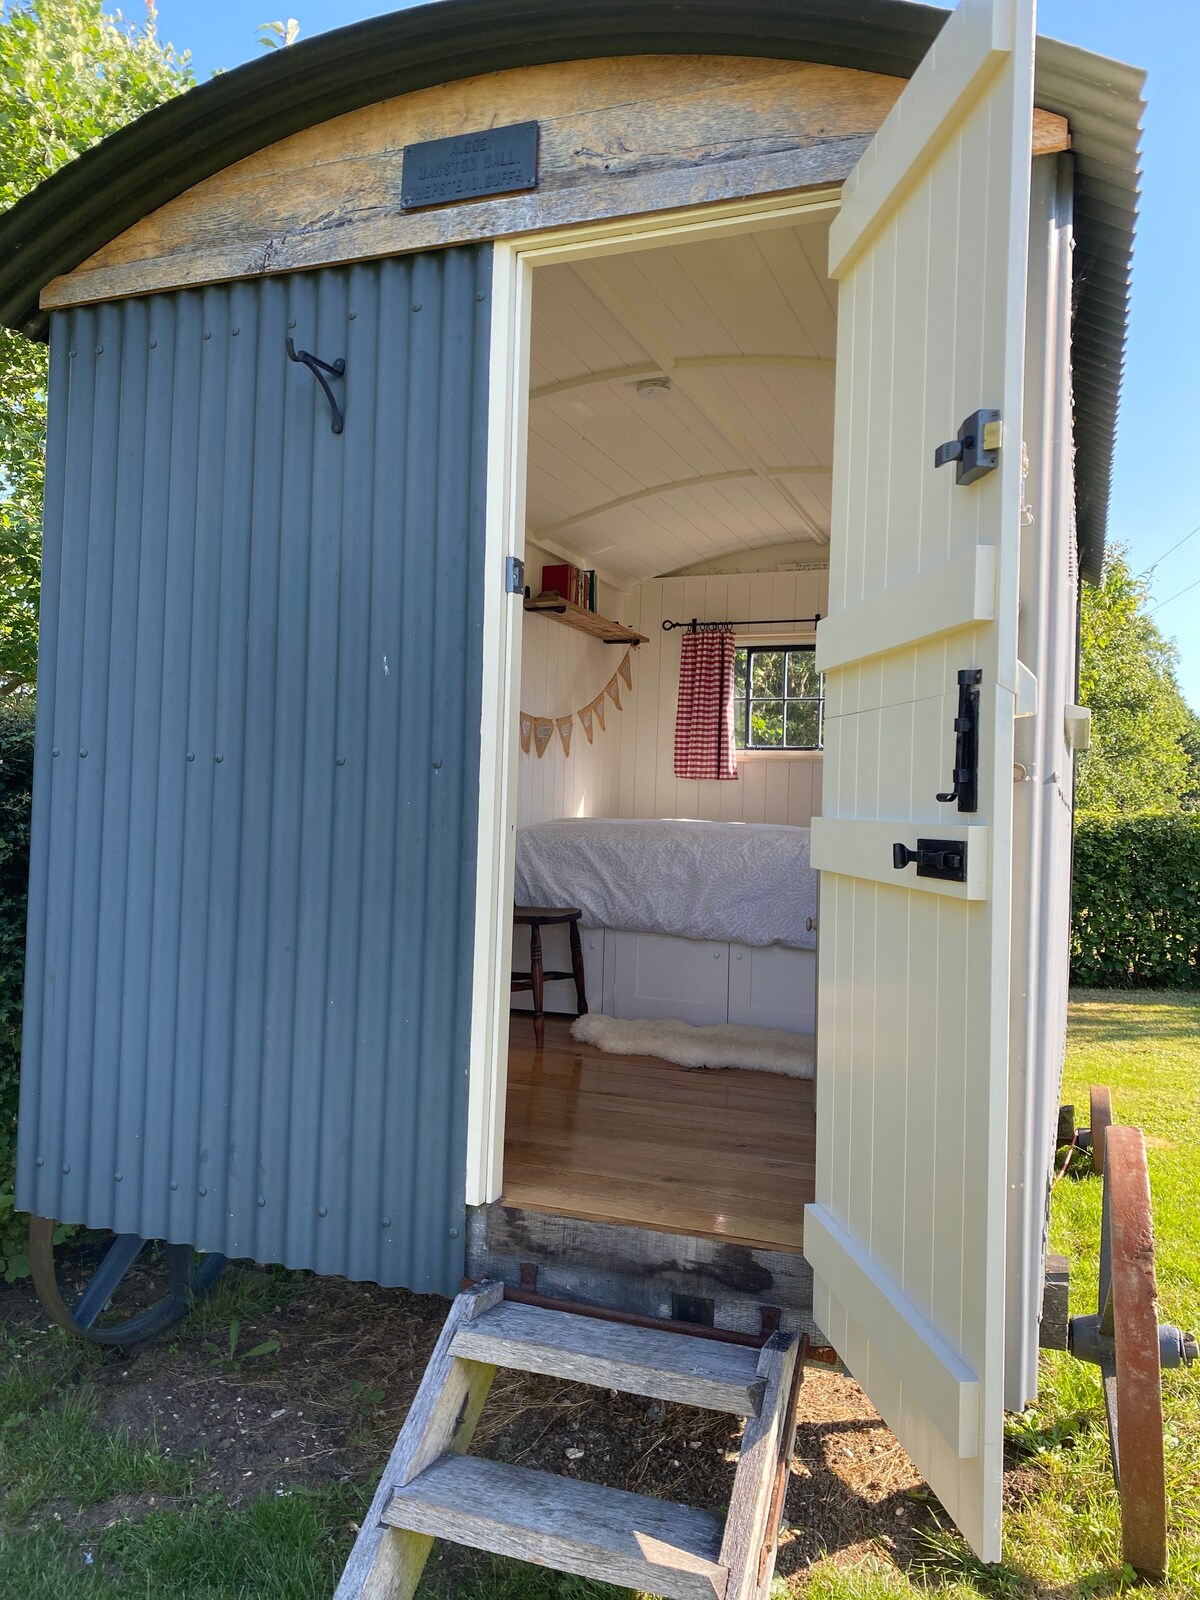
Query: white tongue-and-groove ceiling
[[736, 455]]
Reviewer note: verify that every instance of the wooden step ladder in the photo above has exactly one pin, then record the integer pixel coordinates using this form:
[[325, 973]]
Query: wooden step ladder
[[432, 1489]]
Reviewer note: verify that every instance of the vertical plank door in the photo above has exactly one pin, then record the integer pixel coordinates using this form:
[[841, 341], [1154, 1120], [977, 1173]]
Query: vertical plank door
[[906, 1238]]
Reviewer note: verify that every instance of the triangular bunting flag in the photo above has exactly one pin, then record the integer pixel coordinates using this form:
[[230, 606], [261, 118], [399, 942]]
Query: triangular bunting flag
[[586, 717], [613, 690], [598, 707], [626, 669], [543, 732], [526, 731], [566, 726]]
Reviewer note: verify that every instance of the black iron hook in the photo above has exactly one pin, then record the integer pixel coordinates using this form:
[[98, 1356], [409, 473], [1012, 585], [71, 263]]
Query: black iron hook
[[319, 368]]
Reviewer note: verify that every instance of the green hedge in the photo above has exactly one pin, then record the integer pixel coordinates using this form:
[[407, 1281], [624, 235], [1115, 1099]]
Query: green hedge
[[16, 778], [1136, 911]]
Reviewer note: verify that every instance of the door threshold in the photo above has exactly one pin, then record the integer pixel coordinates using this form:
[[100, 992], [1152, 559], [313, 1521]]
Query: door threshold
[[664, 1274]]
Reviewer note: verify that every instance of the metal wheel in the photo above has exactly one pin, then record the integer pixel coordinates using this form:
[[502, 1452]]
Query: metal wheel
[[1126, 1342], [186, 1283], [1101, 1121]]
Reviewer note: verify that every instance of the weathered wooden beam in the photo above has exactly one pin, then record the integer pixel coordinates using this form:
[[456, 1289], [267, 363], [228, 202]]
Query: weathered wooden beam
[[618, 137]]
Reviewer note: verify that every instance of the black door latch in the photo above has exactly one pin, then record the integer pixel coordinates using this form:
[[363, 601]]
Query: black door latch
[[934, 858], [966, 743], [976, 450]]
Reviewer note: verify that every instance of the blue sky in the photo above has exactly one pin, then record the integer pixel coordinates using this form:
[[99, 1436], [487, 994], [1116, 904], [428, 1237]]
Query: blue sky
[[1156, 500]]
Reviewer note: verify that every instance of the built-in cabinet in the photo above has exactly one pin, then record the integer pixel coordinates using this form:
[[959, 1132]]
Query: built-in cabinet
[[698, 981]]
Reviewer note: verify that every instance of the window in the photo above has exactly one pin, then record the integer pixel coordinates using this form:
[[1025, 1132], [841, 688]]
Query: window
[[778, 698]]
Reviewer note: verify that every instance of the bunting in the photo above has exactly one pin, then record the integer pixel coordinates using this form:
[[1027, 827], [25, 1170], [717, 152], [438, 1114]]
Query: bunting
[[538, 731]]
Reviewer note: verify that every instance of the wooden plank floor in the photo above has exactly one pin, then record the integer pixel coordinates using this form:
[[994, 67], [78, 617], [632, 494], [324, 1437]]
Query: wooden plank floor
[[724, 1154]]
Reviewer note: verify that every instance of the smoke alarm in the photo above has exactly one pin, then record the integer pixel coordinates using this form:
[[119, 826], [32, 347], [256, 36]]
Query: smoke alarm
[[653, 388]]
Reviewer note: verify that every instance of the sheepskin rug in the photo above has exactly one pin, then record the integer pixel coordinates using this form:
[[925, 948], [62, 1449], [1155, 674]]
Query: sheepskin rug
[[726, 1044]]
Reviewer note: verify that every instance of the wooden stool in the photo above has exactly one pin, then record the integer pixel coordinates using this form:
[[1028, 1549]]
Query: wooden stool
[[535, 918]]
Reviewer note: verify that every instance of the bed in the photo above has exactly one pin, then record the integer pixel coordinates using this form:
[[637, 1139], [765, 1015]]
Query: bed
[[705, 921]]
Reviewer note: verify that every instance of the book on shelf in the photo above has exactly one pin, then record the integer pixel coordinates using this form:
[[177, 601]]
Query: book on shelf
[[571, 583]]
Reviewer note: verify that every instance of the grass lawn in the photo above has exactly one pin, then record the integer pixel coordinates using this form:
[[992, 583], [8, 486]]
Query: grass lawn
[[88, 1509]]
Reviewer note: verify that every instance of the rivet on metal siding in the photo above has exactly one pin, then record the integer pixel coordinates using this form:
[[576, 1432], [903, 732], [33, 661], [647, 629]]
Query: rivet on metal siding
[[119, 1176], [454, 1233], [41, 1161], [218, 756], [154, 344], [54, 752], [202, 1191], [83, 754], [235, 332], [292, 322], [73, 352], [437, 766], [385, 1222], [322, 1211], [174, 1184], [99, 349], [191, 755], [351, 316], [66, 1172], [417, 305], [481, 297], [208, 333], [341, 761], [262, 1199]]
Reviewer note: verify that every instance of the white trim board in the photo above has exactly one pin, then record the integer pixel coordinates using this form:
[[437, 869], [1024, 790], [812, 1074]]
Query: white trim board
[[955, 594], [861, 847], [947, 1388]]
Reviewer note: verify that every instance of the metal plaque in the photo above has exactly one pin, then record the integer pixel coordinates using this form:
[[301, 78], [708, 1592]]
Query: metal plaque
[[469, 166]]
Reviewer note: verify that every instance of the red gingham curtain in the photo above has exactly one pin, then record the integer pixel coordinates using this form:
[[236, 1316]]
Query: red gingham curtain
[[704, 719]]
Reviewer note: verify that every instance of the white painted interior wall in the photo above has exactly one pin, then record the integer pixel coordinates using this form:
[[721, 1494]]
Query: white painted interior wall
[[628, 771], [562, 669], [769, 788]]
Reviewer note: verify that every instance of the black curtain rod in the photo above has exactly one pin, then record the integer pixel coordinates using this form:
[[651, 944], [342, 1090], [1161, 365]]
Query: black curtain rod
[[694, 625]]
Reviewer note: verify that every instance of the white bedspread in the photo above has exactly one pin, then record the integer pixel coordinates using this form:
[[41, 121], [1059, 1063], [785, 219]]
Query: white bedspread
[[749, 883]]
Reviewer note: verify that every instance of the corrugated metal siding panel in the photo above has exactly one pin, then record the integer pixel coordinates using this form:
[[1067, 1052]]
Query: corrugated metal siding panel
[[256, 782]]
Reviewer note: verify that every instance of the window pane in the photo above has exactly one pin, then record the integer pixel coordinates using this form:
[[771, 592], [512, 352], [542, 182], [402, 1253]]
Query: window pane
[[739, 724], [739, 672], [766, 722], [766, 678], [803, 723], [801, 673]]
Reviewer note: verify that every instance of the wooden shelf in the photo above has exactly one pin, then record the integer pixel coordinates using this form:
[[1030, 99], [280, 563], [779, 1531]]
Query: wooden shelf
[[589, 622]]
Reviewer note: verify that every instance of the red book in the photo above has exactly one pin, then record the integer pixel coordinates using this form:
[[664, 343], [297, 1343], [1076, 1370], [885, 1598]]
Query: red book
[[559, 578]]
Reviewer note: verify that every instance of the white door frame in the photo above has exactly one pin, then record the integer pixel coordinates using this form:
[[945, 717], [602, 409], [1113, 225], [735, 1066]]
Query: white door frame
[[513, 264]]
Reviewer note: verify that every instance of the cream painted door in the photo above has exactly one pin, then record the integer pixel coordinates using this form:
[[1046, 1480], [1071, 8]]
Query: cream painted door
[[906, 1238]]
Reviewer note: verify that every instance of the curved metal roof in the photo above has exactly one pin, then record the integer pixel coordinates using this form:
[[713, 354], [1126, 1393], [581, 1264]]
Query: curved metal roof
[[124, 178]]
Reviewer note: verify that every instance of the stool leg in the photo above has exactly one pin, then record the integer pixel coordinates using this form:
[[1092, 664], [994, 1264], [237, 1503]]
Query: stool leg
[[535, 974], [577, 963]]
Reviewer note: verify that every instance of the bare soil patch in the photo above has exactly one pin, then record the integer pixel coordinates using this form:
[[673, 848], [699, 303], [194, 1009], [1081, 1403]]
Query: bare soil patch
[[325, 1407]]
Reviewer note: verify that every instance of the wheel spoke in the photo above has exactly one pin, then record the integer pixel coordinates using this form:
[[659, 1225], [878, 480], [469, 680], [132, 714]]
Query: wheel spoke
[[179, 1270], [122, 1253], [1101, 1120]]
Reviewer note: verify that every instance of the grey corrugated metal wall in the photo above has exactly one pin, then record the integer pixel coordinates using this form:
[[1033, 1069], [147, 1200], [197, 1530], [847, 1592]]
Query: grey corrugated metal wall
[[256, 781]]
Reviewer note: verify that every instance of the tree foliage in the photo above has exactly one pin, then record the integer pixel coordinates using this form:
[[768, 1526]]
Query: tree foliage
[[1143, 731], [69, 75]]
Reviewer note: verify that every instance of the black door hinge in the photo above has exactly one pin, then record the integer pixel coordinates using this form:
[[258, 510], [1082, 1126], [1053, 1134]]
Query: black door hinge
[[934, 858], [514, 575]]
